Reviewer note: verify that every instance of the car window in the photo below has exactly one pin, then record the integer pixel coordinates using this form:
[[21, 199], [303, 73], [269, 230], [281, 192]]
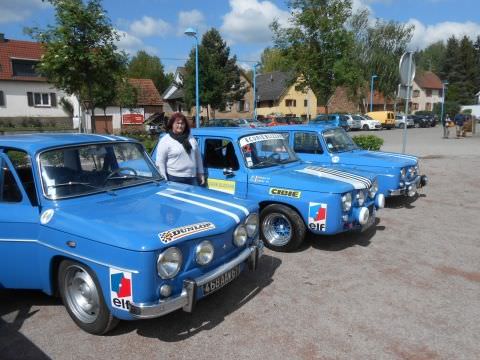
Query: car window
[[23, 166], [356, 117], [306, 143], [220, 154], [9, 191]]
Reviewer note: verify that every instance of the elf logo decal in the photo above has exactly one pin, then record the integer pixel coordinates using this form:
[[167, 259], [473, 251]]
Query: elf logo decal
[[317, 216], [180, 232], [285, 192], [121, 289]]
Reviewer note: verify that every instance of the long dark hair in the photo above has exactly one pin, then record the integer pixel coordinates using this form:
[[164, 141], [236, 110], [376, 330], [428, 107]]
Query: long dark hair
[[175, 116]]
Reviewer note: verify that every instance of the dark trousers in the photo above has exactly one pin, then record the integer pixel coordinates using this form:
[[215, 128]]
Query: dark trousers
[[183, 180]]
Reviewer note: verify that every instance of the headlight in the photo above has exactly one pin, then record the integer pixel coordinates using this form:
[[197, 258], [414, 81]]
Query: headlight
[[411, 171], [204, 252], [360, 198], [251, 224], [240, 235], [373, 189], [347, 202], [169, 263], [403, 173]]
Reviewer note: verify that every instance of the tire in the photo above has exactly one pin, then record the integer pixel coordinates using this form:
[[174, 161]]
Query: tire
[[365, 127], [282, 228], [82, 296]]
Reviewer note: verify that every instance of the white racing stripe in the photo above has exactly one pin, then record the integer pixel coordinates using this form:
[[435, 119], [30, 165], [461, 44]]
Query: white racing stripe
[[225, 212], [344, 177], [402, 156], [106, 137], [345, 174], [243, 208]]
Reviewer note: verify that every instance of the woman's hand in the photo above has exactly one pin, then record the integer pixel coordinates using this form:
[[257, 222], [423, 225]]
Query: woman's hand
[[201, 179]]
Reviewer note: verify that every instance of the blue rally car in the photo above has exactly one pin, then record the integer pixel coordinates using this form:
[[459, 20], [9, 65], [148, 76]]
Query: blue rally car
[[398, 174], [90, 218], [293, 196]]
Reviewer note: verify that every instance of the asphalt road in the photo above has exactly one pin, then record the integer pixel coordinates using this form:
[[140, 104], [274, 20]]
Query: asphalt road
[[409, 289]]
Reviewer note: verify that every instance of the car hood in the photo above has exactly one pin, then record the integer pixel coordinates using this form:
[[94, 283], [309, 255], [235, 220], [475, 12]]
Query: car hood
[[374, 158], [314, 177], [137, 219]]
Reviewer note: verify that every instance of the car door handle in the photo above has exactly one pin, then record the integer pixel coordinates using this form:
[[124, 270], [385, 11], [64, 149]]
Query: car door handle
[[228, 172]]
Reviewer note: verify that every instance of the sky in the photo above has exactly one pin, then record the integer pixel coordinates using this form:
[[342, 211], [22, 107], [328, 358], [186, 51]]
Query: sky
[[157, 26]]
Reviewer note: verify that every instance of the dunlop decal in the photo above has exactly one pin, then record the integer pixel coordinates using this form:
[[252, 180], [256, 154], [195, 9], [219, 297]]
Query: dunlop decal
[[285, 192], [169, 236]]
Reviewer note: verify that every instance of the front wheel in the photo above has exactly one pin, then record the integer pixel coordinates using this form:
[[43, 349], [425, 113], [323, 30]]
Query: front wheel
[[82, 296], [282, 228]]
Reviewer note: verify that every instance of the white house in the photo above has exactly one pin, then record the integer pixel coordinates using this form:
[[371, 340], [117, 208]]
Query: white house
[[427, 90], [25, 97]]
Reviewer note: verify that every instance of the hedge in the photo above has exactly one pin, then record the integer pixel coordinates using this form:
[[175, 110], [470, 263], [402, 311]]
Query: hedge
[[368, 142]]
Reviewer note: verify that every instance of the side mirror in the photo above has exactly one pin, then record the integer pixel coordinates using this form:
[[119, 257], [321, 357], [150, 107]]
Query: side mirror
[[228, 172]]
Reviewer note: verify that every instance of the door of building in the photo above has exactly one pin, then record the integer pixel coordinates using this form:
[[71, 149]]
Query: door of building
[[103, 124]]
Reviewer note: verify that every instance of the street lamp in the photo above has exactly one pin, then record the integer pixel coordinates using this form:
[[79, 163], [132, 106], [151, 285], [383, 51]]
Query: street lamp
[[192, 32], [371, 92], [255, 91]]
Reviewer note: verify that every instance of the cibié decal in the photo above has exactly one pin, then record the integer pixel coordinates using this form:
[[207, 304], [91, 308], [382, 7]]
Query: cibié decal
[[285, 192], [121, 289], [168, 236], [317, 216]]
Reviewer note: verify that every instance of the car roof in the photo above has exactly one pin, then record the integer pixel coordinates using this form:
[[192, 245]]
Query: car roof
[[33, 143], [232, 132], [306, 127]]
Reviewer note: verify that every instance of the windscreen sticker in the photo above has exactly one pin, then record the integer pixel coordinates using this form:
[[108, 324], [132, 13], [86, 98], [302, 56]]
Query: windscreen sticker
[[335, 159], [317, 216], [285, 192], [169, 236], [260, 137], [121, 289], [226, 186]]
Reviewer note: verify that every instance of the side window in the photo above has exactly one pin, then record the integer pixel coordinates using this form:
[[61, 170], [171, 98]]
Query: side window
[[9, 191], [220, 154], [306, 143], [23, 166]]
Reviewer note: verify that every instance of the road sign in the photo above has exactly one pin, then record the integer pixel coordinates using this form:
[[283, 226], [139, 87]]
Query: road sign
[[407, 68]]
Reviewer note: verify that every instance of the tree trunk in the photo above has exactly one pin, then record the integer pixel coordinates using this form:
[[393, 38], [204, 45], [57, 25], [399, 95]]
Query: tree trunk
[[208, 113]]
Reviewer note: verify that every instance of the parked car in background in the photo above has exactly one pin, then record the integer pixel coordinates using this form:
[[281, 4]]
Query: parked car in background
[[295, 197], [277, 120], [386, 118], [330, 119], [401, 120], [248, 123], [428, 115], [353, 121], [421, 121], [398, 174], [367, 123], [90, 217], [221, 123]]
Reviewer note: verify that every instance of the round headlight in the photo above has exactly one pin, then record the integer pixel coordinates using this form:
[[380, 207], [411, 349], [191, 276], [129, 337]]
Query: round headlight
[[240, 235], [403, 173], [411, 171], [347, 202], [360, 197], [169, 263], [251, 224], [204, 252], [373, 189]]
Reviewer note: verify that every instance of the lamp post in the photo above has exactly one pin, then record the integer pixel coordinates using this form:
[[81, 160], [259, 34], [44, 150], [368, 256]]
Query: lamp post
[[444, 83], [192, 32], [371, 92], [255, 91]]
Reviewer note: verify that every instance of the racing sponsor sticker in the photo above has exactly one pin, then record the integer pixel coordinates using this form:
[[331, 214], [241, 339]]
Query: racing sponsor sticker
[[226, 186], [260, 137], [169, 236], [317, 216], [335, 159], [260, 179], [121, 289], [285, 192]]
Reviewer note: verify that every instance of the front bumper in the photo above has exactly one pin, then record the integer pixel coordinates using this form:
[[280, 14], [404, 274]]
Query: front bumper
[[186, 300], [410, 186]]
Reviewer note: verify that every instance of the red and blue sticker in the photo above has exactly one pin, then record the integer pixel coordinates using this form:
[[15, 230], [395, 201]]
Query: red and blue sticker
[[317, 216], [121, 289]]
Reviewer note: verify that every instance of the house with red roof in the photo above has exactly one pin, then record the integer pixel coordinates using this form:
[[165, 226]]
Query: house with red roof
[[426, 91], [25, 96]]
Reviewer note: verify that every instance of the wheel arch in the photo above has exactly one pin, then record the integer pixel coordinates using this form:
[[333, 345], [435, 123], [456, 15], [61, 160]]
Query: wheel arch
[[264, 204]]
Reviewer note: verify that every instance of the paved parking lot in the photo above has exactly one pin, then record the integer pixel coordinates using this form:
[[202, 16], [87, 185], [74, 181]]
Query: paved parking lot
[[409, 289]]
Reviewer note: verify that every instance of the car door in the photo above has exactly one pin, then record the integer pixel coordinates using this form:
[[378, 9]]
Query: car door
[[19, 226], [224, 166]]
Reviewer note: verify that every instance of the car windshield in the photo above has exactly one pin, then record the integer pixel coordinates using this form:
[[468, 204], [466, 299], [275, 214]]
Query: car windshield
[[93, 168], [367, 117], [265, 150], [337, 140]]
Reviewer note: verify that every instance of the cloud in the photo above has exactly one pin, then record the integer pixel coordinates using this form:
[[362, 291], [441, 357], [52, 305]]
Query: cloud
[[425, 35], [131, 44], [18, 10], [248, 21], [191, 19], [149, 26]]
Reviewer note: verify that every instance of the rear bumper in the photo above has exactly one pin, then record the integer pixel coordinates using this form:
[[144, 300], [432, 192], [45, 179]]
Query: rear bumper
[[186, 300]]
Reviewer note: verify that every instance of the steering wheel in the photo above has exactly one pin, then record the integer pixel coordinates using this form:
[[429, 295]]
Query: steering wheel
[[118, 171], [274, 156]]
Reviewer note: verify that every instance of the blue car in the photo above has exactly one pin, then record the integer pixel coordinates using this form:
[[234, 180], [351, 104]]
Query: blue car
[[398, 174], [294, 196], [90, 218], [332, 120]]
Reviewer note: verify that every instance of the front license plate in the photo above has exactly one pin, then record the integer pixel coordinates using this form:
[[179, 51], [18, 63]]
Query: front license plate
[[221, 281]]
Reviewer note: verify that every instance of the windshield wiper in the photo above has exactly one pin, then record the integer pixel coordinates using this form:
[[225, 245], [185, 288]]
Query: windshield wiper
[[73, 183], [265, 162]]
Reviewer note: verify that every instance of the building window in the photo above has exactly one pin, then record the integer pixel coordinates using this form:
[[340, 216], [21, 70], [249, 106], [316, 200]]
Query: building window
[[305, 103], [291, 102], [415, 106], [429, 92], [24, 68], [242, 105], [42, 99], [416, 93], [2, 98], [428, 106]]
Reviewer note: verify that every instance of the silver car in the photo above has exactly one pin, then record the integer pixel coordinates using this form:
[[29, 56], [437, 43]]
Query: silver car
[[400, 121], [354, 123]]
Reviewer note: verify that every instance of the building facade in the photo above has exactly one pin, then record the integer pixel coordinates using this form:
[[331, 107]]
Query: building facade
[[426, 91]]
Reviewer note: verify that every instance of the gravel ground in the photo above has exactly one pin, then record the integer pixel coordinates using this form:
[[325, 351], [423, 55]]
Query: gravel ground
[[409, 289]]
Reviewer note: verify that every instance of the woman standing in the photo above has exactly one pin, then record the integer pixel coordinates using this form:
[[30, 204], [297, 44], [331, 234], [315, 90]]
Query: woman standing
[[178, 157]]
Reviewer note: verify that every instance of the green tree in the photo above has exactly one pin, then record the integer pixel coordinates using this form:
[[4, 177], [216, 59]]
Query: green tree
[[273, 59], [80, 55], [319, 46], [431, 58], [468, 71], [219, 76], [145, 66]]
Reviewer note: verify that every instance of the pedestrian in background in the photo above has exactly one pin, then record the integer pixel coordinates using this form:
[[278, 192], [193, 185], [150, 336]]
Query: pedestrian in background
[[178, 156], [459, 122], [446, 126]]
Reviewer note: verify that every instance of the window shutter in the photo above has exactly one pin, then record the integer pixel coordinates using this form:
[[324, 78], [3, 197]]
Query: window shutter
[[238, 105], [53, 99], [2, 99], [247, 106], [30, 98]]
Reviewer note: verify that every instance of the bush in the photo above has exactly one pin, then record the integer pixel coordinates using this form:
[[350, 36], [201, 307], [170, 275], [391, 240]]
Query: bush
[[368, 142], [147, 140]]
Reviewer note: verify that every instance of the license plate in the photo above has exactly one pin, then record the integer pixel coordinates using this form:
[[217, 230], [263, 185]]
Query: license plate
[[221, 280]]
